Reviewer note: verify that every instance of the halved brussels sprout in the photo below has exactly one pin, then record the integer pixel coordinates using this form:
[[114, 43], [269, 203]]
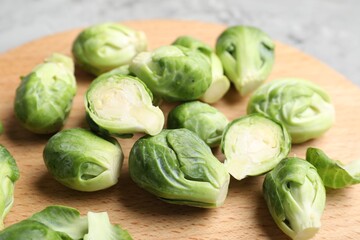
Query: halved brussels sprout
[[204, 120], [220, 84], [247, 54], [304, 108], [103, 47], [9, 174], [174, 73], [253, 145], [178, 167], [44, 98], [334, 173], [295, 196], [83, 161], [122, 105]]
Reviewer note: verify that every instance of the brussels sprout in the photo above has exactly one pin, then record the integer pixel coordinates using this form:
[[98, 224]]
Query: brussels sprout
[[295, 196], [204, 120], [178, 167], [220, 84], [247, 54], [82, 160], [253, 145], [334, 173], [103, 47], [122, 105], [303, 107], [9, 174], [44, 98], [174, 73]]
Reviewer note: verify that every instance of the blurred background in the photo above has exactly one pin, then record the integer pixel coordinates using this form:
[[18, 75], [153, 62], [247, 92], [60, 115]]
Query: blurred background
[[325, 29]]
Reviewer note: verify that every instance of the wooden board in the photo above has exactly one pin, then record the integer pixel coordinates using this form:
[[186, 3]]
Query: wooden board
[[244, 214]]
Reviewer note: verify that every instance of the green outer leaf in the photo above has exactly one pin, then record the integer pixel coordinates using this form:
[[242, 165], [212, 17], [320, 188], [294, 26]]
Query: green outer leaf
[[178, 167], [83, 161], [303, 107], [333, 173], [201, 118], [9, 174], [247, 54], [295, 196], [44, 97]]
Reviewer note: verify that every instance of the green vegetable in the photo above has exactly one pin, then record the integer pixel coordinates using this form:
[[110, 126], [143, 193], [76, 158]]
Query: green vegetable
[[178, 167], [220, 84], [9, 174], [247, 54], [83, 161], [204, 120], [103, 47], [174, 73], [122, 105], [44, 98], [253, 145], [303, 107], [334, 173], [295, 196]]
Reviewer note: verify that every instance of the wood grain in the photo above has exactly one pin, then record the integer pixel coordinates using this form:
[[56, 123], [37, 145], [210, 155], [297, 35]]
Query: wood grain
[[244, 214]]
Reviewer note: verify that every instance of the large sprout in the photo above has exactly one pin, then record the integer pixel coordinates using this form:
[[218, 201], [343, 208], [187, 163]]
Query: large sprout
[[253, 145], [44, 98], [103, 47], [334, 173], [220, 84], [178, 167], [304, 108], [295, 196], [83, 161], [201, 118], [9, 174], [122, 105], [247, 54], [174, 73]]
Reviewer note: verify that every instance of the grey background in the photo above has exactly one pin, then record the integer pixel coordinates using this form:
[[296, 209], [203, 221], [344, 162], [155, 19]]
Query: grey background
[[326, 29]]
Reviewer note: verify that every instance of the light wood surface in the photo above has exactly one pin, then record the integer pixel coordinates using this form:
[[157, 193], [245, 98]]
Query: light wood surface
[[244, 214]]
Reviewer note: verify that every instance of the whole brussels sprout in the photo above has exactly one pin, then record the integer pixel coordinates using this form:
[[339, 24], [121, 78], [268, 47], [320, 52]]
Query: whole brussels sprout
[[44, 98], [178, 167], [295, 196], [253, 145], [220, 84], [174, 73], [304, 108], [247, 54], [121, 105], [103, 47], [83, 161], [201, 118], [9, 174]]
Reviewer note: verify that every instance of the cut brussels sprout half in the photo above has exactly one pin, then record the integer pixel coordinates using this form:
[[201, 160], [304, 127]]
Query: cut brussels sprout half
[[83, 161], [247, 54], [253, 145], [103, 47], [201, 118], [44, 98], [9, 174], [334, 173], [220, 84], [174, 73], [122, 105], [295, 196], [178, 167]]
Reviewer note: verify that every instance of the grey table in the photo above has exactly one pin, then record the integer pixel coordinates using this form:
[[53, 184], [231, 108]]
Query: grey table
[[326, 29]]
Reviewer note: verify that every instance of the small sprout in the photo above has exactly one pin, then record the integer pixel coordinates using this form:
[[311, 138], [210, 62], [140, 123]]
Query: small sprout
[[254, 145], [304, 108], [334, 173]]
